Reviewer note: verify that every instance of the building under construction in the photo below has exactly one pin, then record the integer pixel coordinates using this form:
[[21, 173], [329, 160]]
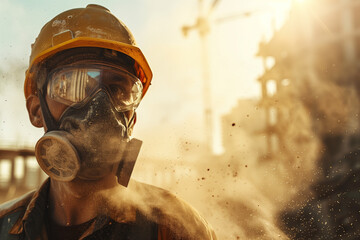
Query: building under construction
[[312, 93]]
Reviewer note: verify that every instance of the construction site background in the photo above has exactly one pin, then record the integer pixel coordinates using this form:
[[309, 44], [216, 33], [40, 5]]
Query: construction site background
[[290, 166]]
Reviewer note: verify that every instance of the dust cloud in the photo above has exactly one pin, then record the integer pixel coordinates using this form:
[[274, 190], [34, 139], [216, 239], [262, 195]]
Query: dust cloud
[[157, 205], [241, 191]]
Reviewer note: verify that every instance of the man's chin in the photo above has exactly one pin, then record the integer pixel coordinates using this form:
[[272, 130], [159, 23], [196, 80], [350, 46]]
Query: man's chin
[[80, 188]]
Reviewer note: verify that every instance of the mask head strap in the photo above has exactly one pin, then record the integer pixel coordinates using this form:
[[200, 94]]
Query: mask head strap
[[50, 122]]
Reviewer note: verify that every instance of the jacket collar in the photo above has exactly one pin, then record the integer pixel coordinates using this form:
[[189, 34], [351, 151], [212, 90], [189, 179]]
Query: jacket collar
[[34, 212], [32, 221]]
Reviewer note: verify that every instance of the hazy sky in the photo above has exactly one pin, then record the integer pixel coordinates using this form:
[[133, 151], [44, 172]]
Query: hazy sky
[[173, 104]]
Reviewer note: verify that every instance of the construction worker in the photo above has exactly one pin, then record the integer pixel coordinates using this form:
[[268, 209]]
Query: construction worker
[[86, 77]]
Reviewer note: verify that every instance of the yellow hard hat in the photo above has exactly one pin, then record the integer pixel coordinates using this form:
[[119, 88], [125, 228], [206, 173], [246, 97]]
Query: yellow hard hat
[[93, 26]]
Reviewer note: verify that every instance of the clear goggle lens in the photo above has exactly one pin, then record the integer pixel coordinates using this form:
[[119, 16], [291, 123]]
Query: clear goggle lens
[[75, 85]]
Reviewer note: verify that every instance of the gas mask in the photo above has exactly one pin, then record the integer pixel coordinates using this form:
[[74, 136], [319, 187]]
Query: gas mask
[[91, 139]]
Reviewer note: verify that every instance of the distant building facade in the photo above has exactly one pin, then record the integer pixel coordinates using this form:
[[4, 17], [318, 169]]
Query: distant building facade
[[316, 77]]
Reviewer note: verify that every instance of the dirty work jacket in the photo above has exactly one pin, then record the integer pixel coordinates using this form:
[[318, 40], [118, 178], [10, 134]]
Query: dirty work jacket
[[170, 218]]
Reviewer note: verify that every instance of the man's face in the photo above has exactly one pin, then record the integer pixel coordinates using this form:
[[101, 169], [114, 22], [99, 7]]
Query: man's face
[[71, 77], [62, 89], [94, 110]]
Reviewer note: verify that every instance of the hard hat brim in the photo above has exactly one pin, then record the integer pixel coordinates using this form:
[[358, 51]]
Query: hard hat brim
[[130, 50]]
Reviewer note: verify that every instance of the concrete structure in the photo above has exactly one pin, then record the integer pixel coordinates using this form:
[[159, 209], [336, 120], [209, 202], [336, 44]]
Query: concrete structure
[[316, 77], [317, 49], [19, 172]]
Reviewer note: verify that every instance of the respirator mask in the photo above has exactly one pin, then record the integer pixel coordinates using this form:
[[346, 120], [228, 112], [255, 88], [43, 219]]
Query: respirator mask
[[91, 139]]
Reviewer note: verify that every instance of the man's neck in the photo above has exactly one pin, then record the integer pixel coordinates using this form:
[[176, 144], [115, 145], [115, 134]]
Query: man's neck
[[76, 202]]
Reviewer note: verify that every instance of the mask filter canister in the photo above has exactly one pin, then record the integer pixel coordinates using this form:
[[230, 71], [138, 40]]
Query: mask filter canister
[[57, 157]]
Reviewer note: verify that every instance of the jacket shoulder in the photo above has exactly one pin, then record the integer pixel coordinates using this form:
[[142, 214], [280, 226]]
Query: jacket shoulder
[[15, 205], [172, 213], [11, 213]]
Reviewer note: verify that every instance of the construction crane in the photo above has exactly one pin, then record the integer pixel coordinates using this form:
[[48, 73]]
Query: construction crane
[[202, 25]]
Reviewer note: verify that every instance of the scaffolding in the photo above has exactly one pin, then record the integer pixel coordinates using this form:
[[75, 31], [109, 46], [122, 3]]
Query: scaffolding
[[316, 57]]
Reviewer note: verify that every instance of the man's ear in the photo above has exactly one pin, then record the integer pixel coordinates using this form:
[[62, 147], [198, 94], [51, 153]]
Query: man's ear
[[34, 111]]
